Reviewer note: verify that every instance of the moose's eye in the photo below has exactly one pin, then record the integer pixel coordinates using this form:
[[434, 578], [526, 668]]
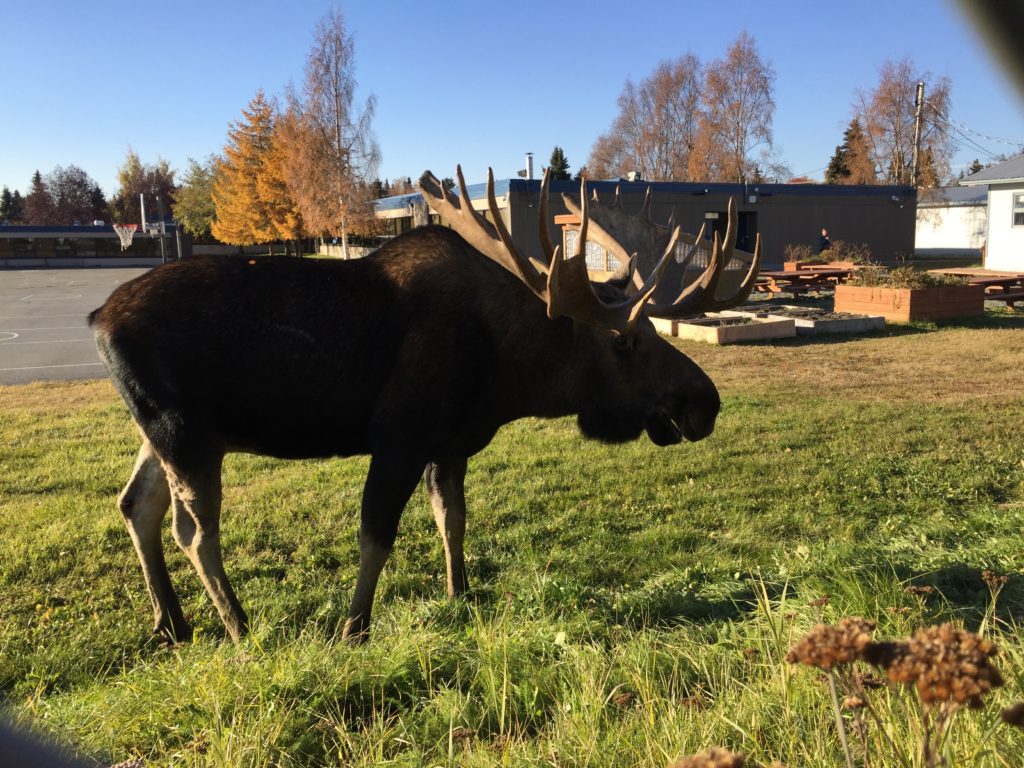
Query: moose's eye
[[623, 343]]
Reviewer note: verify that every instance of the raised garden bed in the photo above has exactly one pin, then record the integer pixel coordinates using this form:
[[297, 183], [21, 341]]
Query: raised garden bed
[[725, 328], [903, 305], [792, 266], [812, 321]]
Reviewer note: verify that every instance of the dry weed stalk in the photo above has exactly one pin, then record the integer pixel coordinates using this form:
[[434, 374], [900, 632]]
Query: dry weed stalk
[[949, 668]]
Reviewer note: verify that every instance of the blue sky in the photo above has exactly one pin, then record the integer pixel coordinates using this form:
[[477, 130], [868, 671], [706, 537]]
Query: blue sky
[[476, 83]]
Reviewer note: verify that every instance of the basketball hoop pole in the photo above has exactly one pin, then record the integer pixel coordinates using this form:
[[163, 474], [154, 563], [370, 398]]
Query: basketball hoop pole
[[142, 210], [163, 240]]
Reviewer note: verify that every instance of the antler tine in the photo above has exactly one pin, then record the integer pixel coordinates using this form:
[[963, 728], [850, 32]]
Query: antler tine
[[651, 285], [491, 240], [700, 295], [545, 237], [743, 292], [694, 297], [575, 292], [585, 220], [528, 269], [648, 199]]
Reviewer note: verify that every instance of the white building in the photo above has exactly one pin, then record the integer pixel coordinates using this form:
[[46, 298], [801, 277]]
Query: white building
[[1004, 243], [951, 221]]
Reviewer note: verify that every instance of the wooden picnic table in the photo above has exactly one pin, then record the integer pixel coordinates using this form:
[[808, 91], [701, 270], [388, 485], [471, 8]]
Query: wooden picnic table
[[800, 280], [999, 286]]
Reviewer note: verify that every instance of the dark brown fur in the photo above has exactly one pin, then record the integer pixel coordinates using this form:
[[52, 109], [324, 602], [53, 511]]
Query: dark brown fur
[[416, 356]]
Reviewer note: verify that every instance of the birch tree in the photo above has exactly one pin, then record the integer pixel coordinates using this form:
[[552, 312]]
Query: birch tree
[[737, 108], [887, 114], [333, 154], [655, 130]]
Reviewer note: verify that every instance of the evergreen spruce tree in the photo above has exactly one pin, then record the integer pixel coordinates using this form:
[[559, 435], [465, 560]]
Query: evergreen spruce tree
[[559, 165], [838, 171], [6, 206], [851, 163], [17, 208], [39, 207], [99, 205]]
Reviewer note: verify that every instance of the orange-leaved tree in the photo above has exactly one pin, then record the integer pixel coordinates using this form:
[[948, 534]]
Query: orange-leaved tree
[[273, 190], [331, 154], [242, 217]]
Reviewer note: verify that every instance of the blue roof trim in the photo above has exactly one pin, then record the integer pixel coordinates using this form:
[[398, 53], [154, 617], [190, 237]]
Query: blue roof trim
[[477, 191]]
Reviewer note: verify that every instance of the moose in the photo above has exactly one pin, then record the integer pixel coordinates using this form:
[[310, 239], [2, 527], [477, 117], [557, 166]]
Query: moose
[[415, 355]]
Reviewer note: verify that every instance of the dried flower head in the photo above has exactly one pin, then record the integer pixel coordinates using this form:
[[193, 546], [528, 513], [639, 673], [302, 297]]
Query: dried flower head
[[1014, 715], [827, 646], [945, 663], [993, 581], [623, 699], [919, 589], [854, 702], [820, 602], [716, 757]]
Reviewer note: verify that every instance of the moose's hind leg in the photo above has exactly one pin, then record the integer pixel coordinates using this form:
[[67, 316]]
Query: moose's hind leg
[[196, 497], [143, 504]]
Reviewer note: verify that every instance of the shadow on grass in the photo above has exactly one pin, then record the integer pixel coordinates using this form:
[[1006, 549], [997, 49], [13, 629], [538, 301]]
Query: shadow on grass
[[962, 590]]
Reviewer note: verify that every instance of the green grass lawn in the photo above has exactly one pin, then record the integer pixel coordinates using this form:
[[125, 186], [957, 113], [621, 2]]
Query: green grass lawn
[[630, 604]]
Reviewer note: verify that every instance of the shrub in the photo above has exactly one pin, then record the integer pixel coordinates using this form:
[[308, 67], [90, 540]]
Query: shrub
[[901, 277], [800, 253], [841, 250]]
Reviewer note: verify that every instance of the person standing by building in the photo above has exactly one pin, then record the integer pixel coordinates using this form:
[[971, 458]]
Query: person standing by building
[[823, 242]]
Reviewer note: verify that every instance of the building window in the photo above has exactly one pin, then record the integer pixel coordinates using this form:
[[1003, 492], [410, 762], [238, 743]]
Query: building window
[[598, 259], [1018, 209]]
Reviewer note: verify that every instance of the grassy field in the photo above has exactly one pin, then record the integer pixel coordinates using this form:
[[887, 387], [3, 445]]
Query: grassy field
[[631, 604]]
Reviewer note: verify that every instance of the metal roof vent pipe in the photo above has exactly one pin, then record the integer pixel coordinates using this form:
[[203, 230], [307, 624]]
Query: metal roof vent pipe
[[527, 172]]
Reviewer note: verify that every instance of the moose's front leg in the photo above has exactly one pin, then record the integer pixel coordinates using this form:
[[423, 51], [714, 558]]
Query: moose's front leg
[[446, 485], [389, 484]]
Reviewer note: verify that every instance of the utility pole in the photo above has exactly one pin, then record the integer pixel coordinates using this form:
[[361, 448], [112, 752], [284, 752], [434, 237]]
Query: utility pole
[[918, 104]]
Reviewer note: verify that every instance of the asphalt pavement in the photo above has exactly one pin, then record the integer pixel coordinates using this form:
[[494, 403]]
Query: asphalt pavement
[[44, 334]]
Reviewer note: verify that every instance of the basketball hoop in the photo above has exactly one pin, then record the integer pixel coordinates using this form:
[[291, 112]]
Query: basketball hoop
[[125, 232]]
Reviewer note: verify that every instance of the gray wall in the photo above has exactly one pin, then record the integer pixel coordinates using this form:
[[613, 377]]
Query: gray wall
[[882, 217]]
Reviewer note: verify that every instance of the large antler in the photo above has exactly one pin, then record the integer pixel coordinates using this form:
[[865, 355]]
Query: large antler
[[634, 238], [563, 284]]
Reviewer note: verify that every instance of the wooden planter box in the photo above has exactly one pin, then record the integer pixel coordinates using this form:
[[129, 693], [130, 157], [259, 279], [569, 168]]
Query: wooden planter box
[[815, 322], [902, 305], [709, 330], [793, 266]]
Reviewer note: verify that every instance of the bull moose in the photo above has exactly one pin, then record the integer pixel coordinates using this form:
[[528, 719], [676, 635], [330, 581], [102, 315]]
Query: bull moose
[[415, 355]]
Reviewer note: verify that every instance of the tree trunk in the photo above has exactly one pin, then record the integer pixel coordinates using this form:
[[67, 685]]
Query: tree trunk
[[344, 237]]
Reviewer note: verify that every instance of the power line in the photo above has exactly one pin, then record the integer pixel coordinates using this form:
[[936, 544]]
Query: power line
[[954, 127], [967, 128]]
